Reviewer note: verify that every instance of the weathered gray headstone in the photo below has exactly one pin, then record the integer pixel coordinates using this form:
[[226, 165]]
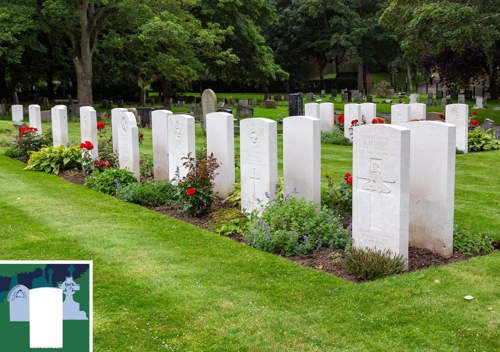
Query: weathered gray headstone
[[310, 96], [269, 104], [244, 111], [208, 104]]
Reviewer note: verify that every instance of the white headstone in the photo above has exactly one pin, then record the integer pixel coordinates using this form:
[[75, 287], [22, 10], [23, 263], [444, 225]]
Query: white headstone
[[369, 111], [351, 112], [17, 113], [59, 125], [128, 154], [46, 317], [208, 104], [414, 98], [432, 185], [181, 142], [258, 162], [458, 115], [327, 116], [160, 143], [380, 189], [400, 113], [220, 142], [116, 120], [35, 117], [88, 128], [418, 111], [312, 109], [302, 158], [479, 103]]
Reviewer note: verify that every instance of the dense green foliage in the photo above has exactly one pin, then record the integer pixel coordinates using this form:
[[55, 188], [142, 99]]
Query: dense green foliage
[[28, 140], [110, 181], [482, 141], [291, 227], [338, 198], [470, 244], [53, 160], [149, 193], [369, 264], [334, 137]]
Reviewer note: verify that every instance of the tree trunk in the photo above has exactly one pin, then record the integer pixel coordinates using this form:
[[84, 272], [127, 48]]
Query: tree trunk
[[361, 87], [408, 72], [4, 91], [167, 92]]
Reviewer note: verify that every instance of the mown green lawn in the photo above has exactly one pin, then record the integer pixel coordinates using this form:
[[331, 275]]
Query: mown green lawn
[[161, 284]]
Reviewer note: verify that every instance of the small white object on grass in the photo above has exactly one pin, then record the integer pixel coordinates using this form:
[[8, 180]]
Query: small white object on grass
[[18, 198], [468, 298]]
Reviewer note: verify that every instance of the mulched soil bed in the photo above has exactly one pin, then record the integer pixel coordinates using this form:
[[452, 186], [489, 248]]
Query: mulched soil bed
[[73, 176], [329, 261]]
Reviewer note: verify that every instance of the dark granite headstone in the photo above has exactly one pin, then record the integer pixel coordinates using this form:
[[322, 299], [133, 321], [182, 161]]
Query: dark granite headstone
[[244, 111], [295, 102], [269, 104]]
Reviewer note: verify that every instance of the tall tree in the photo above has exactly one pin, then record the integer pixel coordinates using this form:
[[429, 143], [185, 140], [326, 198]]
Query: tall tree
[[425, 26]]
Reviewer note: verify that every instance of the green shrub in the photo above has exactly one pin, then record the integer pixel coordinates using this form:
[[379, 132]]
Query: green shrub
[[335, 137], [292, 227], [110, 181], [469, 244], [338, 198], [53, 160], [196, 189], [234, 196], [146, 166], [150, 193], [28, 140], [369, 264], [482, 141]]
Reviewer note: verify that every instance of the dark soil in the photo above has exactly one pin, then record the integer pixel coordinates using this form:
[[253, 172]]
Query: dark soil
[[74, 176], [23, 159], [202, 222]]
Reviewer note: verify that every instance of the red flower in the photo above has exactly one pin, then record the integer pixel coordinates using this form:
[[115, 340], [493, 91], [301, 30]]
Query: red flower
[[374, 121], [96, 164], [349, 179], [141, 136], [381, 120], [141, 161], [34, 129], [341, 118], [474, 113], [100, 125], [347, 175], [474, 122], [191, 191], [82, 145], [441, 116], [354, 122], [89, 145]]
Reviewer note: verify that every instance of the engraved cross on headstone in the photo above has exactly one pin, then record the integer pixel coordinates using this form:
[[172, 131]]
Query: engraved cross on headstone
[[254, 179], [374, 183]]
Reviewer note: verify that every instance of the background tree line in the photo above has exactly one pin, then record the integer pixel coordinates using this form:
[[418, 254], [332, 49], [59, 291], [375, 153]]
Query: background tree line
[[112, 48]]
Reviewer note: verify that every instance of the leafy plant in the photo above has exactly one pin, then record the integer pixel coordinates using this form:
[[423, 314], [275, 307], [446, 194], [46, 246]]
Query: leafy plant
[[291, 227], [482, 141], [110, 181], [339, 198], [196, 188], [234, 197], [29, 140], [53, 160], [335, 137], [235, 226], [469, 244], [369, 264], [146, 166], [150, 193]]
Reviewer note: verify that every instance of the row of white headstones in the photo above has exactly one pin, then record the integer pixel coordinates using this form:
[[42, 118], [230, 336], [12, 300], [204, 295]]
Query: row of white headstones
[[403, 175], [456, 114]]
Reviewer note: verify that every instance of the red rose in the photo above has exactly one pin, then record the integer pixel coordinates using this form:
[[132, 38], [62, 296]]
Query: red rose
[[89, 145], [191, 191], [341, 118], [474, 122], [474, 113], [380, 120], [35, 129], [82, 145], [23, 130], [374, 121], [96, 164], [347, 175], [349, 179], [100, 125], [141, 136], [440, 115], [353, 122]]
